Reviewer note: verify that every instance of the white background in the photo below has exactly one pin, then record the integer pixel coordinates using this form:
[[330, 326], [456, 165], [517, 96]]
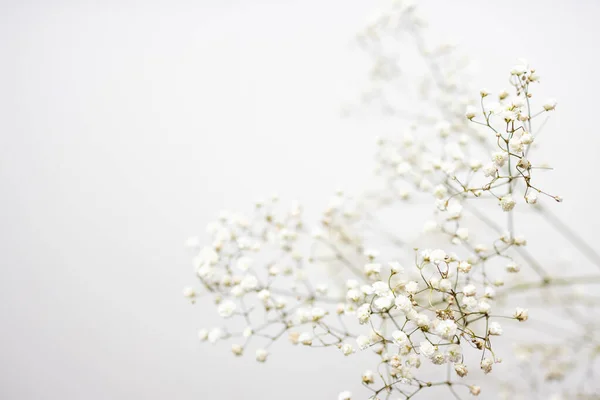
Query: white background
[[127, 126]]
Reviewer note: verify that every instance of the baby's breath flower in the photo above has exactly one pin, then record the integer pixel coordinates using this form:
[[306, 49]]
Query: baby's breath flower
[[475, 390], [461, 370], [550, 104], [261, 355], [495, 329], [486, 365], [521, 314], [347, 349], [226, 309], [345, 395], [426, 348], [368, 377], [507, 203]]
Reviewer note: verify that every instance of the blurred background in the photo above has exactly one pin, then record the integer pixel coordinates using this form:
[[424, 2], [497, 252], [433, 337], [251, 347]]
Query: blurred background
[[127, 126]]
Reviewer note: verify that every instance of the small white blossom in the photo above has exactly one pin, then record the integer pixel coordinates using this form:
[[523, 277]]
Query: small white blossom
[[347, 349], [345, 395], [363, 342], [469, 290], [237, 349], [446, 329], [411, 287], [464, 266], [226, 309], [486, 365], [261, 355], [400, 337], [550, 104], [521, 314], [189, 293], [513, 267], [396, 268], [495, 329], [203, 334], [437, 256], [368, 377], [214, 335], [305, 338], [507, 203], [426, 349]]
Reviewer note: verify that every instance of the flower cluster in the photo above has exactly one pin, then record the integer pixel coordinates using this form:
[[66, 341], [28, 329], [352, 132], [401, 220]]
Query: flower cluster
[[432, 316]]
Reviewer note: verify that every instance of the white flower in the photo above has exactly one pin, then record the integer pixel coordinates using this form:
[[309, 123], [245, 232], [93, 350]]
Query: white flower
[[353, 295], [411, 287], [426, 349], [208, 255], [226, 309], [261, 355], [203, 334], [455, 210], [381, 288], [400, 338], [403, 303], [486, 365], [263, 295], [189, 293], [396, 268], [461, 370], [490, 170], [437, 256], [513, 267], [347, 349], [454, 353], [469, 290], [440, 191], [495, 329], [384, 303], [247, 332], [237, 349], [527, 138], [507, 203], [499, 158], [475, 390], [363, 313], [214, 335], [363, 342], [445, 285], [516, 144], [237, 291], [470, 112], [368, 377], [317, 313], [550, 104], [367, 290], [484, 307], [470, 303], [531, 198], [422, 320], [305, 338], [446, 328], [372, 269], [464, 266], [521, 314], [345, 395], [462, 233]]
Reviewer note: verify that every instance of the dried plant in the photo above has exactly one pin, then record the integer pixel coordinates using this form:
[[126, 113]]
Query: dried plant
[[435, 318]]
